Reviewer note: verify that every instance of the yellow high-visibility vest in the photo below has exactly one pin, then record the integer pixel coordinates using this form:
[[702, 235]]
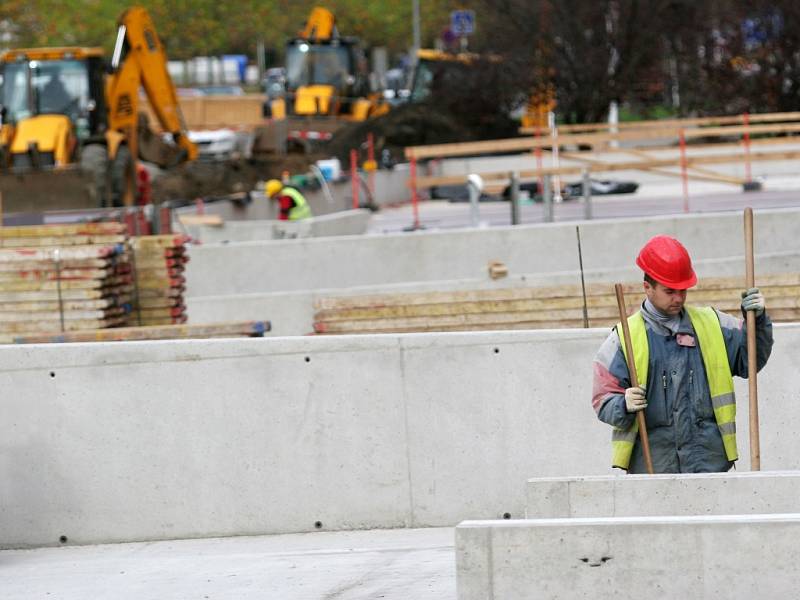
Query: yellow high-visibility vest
[[301, 209], [718, 372]]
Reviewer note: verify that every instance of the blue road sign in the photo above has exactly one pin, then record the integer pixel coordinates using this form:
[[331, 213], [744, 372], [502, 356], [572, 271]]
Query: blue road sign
[[462, 22]]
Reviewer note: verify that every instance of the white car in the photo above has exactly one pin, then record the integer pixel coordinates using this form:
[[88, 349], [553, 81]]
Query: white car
[[218, 144]]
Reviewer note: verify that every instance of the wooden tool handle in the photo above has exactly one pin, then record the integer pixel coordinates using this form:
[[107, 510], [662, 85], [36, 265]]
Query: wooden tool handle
[[626, 336], [752, 366]]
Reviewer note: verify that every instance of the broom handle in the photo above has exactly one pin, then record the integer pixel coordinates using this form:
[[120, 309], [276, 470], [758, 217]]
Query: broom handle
[[626, 336]]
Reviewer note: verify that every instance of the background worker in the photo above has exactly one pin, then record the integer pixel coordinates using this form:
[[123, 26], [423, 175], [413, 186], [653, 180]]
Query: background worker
[[292, 204], [685, 358]]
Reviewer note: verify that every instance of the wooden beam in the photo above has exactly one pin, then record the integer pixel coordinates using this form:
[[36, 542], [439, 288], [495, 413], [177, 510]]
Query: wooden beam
[[608, 167], [699, 173], [590, 139], [688, 122], [159, 332]]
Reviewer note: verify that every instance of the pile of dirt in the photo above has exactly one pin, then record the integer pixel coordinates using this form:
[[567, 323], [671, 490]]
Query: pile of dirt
[[203, 179], [417, 125]]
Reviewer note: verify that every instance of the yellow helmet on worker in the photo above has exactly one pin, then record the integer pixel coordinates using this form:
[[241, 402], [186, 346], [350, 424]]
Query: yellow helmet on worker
[[272, 187]]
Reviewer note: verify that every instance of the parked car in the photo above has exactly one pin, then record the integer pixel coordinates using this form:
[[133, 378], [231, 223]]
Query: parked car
[[602, 187]]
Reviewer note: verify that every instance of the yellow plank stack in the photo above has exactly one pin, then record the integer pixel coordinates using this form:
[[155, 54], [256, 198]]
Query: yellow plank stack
[[159, 263], [531, 308], [64, 278]]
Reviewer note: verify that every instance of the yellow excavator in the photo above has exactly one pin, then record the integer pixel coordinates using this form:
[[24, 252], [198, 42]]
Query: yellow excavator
[[327, 82], [71, 131]]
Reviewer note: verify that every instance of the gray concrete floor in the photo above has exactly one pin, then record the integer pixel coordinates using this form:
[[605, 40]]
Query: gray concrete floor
[[399, 564]]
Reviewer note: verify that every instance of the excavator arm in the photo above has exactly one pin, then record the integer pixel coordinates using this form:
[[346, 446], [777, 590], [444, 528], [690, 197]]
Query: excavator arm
[[139, 60]]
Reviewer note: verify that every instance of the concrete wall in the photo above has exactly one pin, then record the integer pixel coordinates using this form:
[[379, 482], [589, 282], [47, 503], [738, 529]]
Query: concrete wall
[[546, 251], [144, 440], [348, 222], [736, 493], [292, 313], [692, 558]]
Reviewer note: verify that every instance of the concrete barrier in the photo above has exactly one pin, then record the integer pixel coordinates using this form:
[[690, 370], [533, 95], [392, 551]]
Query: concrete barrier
[[345, 262], [348, 222], [292, 313], [148, 440], [692, 558], [763, 492]]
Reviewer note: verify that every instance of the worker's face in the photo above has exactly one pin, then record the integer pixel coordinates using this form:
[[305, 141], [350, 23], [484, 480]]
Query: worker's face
[[667, 300]]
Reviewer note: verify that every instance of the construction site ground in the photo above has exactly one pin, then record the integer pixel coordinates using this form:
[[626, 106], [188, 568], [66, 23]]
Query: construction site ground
[[381, 563], [398, 564], [442, 214]]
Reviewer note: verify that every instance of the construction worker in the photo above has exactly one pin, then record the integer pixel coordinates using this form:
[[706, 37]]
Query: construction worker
[[685, 358], [293, 206]]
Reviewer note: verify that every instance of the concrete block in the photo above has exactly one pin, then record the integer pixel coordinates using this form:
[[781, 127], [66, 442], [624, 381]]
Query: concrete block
[[348, 222], [119, 442], [715, 240], [151, 440], [692, 558], [763, 492]]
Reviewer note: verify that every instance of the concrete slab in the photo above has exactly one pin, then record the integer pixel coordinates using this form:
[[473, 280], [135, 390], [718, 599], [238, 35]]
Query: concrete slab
[[692, 558], [764, 492], [348, 222], [393, 565], [292, 313], [192, 438], [349, 261]]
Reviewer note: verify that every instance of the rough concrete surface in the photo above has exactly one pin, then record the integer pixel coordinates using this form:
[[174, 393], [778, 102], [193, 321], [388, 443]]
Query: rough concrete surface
[[734, 493], [292, 313], [348, 261], [691, 558], [159, 440], [347, 222], [416, 564]]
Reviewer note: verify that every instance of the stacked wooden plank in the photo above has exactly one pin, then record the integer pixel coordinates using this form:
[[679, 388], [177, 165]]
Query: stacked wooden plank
[[531, 308], [159, 262], [64, 277], [154, 332]]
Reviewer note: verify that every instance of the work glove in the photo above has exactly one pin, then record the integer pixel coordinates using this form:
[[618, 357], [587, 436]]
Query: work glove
[[753, 299], [635, 399]]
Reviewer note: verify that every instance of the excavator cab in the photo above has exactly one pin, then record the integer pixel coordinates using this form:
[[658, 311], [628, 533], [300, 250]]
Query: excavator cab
[[324, 77], [52, 103], [326, 73]]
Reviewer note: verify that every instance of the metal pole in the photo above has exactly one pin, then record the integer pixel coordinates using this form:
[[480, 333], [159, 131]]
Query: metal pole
[[583, 283], [57, 259], [587, 195], [414, 195], [684, 175], [551, 117], [547, 197], [514, 198], [417, 34], [474, 198], [354, 177]]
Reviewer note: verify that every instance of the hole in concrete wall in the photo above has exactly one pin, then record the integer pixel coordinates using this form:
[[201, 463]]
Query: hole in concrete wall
[[52, 373], [63, 539], [308, 359], [506, 515], [318, 524], [497, 350]]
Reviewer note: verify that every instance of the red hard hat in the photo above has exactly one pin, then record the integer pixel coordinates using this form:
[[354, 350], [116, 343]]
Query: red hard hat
[[667, 261]]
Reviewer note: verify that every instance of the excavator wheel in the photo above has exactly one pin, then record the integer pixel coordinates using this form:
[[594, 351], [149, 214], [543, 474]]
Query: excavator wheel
[[94, 161]]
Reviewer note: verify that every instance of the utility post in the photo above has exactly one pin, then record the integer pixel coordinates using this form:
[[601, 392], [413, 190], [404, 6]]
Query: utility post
[[587, 195], [547, 198], [514, 176], [417, 35]]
